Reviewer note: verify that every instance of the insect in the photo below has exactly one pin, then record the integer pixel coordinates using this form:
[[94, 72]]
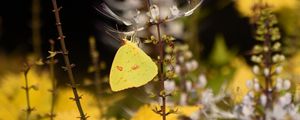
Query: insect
[[131, 67]]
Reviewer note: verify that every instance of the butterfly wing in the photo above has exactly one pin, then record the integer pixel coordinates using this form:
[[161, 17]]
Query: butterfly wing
[[131, 68]]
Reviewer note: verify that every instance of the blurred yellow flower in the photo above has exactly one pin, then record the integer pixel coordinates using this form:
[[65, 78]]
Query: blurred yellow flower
[[66, 109], [244, 6], [13, 100], [146, 113], [12, 97], [237, 87], [295, 65]]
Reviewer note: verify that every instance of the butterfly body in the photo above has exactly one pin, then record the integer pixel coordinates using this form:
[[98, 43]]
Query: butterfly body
[[131, 67]]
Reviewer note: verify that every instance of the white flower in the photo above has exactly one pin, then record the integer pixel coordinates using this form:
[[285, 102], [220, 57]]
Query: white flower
[[154, 13], [194, 64], [257, 59], [247, 100], [180, 59], [177, 69], [256, 86], [188, 85], [188, 66], [247, 110], [263, 99], [286, 84], [201, 81], [278, 113], [168, 57], [293, 112], [278, 58], [278, 69], [249, 84], [266, 72], [251, 94], [169, 86], [255, 69], [164, 12], [188, 54], [174, 10], [285, 99], [277, 46]]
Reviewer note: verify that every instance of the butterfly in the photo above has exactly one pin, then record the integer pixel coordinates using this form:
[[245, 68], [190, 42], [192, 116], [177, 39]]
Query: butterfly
[[131, 67]]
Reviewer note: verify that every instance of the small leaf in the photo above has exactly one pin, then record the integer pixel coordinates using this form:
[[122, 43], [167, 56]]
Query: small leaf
[[52, 54], [39, 62]]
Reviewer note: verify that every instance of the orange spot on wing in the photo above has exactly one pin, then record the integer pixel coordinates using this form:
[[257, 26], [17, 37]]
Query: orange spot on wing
[[120, 68], [134, 67]]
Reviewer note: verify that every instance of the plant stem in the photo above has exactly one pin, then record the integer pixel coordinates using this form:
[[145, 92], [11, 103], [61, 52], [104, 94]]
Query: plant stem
[[67, 61], [161, 73], [95, 60], [268, 64], [26, 88], [52, 75]]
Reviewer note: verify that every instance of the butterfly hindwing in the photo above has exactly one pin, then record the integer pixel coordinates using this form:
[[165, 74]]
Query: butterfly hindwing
[[131, 68]]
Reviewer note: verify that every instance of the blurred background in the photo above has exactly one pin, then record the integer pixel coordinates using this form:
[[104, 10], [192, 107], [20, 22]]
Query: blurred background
[[219, 35]]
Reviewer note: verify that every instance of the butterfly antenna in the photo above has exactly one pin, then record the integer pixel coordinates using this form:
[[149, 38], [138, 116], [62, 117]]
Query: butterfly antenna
[[118, 31], [118, 39], [105, 10]]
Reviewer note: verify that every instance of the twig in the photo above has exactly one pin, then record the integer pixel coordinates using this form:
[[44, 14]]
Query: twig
[[67, 61], [52, 76], [29, 109]]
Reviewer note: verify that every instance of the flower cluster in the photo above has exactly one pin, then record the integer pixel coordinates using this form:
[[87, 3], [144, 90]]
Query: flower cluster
[[269, 96]]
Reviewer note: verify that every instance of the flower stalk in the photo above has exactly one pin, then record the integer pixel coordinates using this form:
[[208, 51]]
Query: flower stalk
[[53, 91], [161, 73], [29, 109], [267, 55], [68, 66]]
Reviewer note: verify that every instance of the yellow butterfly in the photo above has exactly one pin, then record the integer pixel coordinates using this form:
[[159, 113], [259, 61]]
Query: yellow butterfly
[[131, 67]]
